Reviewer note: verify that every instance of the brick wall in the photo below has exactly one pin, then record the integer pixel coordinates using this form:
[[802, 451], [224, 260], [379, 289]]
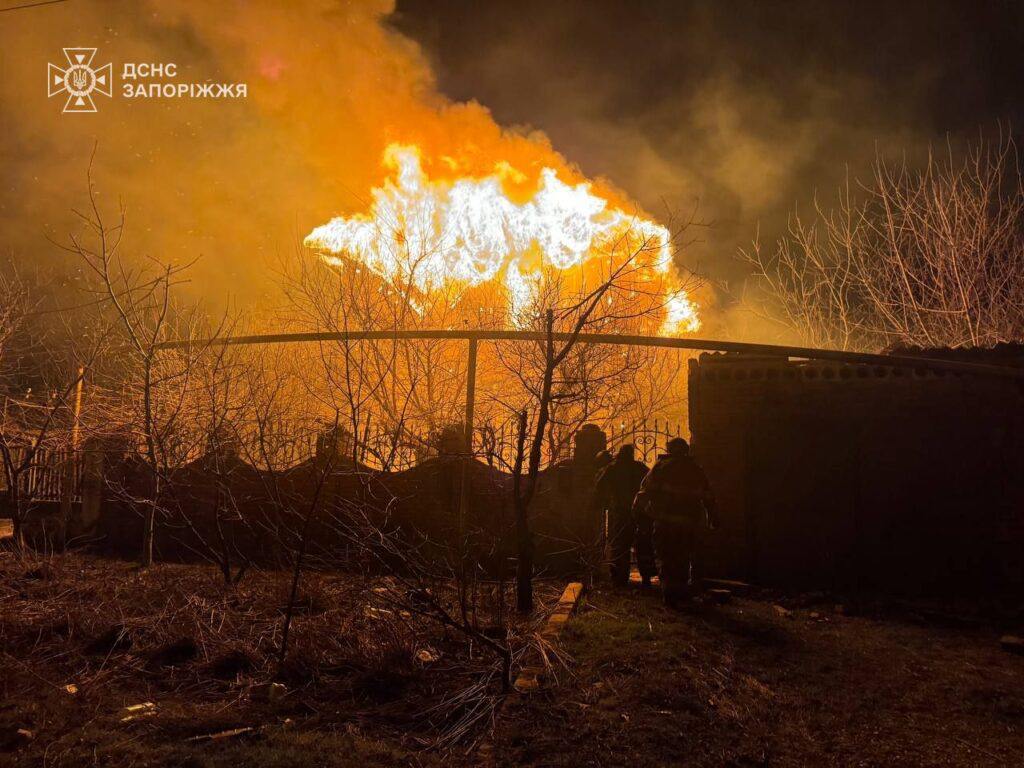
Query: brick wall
[[844, 476], [422, 502]]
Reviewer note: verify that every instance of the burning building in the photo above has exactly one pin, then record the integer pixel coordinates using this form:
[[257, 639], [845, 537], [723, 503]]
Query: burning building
[[433, 225]]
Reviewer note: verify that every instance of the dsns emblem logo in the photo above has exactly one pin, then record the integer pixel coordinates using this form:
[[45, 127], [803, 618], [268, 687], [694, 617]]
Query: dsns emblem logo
[[79, 81]]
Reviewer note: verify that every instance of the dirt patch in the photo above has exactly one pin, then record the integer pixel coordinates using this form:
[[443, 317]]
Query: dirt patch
[[174, 653], [115, 639]]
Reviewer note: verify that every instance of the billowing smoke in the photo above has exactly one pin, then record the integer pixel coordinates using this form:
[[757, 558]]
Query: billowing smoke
[[235, 181], [748, 108]]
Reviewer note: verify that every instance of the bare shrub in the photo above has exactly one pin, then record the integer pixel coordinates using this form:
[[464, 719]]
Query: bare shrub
[[929, 256]]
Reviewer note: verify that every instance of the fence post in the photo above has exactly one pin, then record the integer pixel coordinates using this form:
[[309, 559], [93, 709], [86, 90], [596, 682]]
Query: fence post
[[467, 447], [68, 481], [467, 452]]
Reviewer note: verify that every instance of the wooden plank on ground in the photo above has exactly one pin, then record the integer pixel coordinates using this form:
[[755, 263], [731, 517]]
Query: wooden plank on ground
[[531, 677]]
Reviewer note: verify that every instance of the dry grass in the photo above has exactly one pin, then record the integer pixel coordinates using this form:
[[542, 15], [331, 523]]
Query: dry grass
[[747, 685], [740, 684], [204, 654]]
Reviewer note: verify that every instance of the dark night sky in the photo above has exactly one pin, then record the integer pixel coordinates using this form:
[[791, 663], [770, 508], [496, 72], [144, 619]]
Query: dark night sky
[[752, 107]]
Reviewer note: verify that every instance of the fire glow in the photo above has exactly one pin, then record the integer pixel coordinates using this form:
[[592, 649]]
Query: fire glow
[[470, 230]]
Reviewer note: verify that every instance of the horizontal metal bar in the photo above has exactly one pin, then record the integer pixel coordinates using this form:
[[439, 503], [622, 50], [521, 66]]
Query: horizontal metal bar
[[664, 342]]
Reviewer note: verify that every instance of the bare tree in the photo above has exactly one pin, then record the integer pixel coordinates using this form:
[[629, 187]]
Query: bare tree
[[405, 390], [210, 505], [929, 256], [17, 457], [619, 296], [138, 298], [41, 375]]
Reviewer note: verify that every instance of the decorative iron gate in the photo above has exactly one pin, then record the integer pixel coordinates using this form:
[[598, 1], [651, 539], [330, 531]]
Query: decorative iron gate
[[649, 437]]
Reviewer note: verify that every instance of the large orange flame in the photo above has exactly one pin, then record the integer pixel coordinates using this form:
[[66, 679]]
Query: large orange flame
[[473, 230]]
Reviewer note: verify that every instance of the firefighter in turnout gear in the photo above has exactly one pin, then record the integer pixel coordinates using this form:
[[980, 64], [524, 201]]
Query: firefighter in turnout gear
[[617, 486], [677, 496]]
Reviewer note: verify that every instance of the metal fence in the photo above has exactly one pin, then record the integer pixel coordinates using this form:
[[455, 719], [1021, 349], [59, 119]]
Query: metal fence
[[376, 447], [649, 437], [389, 449], [48, 475]]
